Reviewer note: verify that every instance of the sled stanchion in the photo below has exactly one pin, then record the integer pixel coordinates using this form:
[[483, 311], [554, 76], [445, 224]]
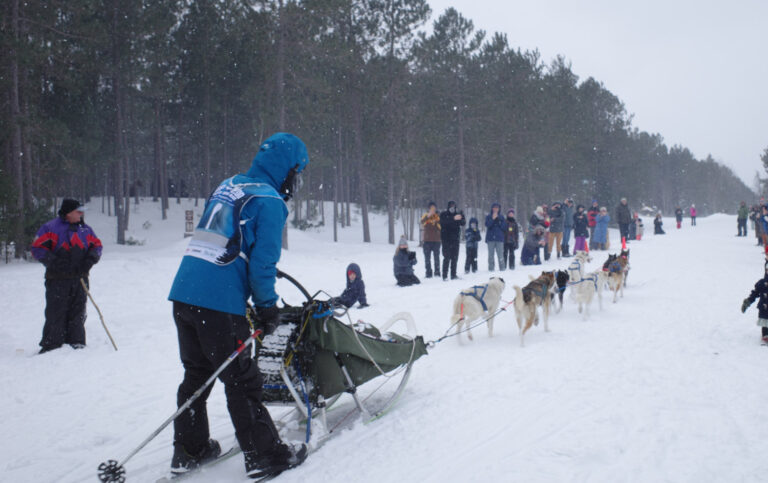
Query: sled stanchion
[[103, 324], [112, 471]]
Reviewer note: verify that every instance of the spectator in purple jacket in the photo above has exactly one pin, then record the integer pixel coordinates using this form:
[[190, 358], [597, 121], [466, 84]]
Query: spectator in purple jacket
[[68, 248]]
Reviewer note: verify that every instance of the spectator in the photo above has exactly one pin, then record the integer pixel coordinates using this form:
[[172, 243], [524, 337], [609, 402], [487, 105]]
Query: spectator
[[657, 223], [430, 223], [68, 248], [741, 219], [538, 218], [639, 228], [567, 226], [633, 227], [355, 291], [556, 227], [495, 226], [451, 222], [601, 228], [623, 218], [511, 239], [754, 215], [594, 210], [533, 242], [679, 217], [403, 265], [472, 238], [580, 229], [692, 212]]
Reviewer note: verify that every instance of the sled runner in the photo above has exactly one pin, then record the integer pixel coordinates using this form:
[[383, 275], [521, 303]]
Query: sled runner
[[313, 358]]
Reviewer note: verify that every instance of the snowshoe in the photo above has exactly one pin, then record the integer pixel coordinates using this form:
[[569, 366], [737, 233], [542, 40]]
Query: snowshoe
[[183, 461], [286, 456]]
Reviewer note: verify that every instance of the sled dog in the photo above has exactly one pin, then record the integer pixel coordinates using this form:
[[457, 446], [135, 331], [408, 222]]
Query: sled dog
[[475, 302], [614, 271], [561, 283], [529, 298]]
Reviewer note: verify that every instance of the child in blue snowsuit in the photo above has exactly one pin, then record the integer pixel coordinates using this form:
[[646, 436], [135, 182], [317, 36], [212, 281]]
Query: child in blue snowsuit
[[760, 292], [355, 291], [472, 236]]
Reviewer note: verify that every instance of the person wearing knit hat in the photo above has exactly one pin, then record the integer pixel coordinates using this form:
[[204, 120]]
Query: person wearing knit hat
[[68, 248], [403, 264]]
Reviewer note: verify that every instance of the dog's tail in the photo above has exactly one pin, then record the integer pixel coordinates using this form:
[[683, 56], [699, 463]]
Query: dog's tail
[[519, 301]]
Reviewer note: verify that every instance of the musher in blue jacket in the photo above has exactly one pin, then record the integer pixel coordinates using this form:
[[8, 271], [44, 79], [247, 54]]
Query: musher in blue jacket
[[232, 257]]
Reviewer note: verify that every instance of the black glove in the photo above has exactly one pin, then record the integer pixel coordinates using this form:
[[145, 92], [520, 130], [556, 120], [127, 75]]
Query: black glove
[[268, 318], [745, 305], [57, 261], [411, 255], [91, 258]]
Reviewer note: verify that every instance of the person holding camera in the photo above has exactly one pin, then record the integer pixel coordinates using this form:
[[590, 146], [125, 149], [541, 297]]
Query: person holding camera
[[403, 264], [451, 222]]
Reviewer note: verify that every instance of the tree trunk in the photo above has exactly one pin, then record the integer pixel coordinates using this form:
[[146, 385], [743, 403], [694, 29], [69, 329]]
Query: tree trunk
[[16, 163], [462, 172], [119, 166]]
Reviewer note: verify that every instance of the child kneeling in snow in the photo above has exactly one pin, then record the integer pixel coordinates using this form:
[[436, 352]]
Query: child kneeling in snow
[[403, 264], [355, 291], [760, 291]]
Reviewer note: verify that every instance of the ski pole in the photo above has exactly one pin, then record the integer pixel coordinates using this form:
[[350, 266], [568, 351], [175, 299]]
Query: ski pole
[[113, 472], [103, 324]]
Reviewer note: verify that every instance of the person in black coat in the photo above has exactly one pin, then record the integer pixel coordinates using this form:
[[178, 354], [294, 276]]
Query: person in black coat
[[760, 292], [451, 222], [657, 230], [403, 265], [580, 229], [355, 291], [511, 239]]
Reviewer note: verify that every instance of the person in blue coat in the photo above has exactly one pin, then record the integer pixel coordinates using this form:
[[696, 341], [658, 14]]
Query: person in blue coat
[[495, 229], [232, 257], [601, 228], [355, 291]]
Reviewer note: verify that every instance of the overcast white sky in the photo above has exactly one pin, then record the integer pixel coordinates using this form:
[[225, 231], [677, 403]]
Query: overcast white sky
[[694, 71]]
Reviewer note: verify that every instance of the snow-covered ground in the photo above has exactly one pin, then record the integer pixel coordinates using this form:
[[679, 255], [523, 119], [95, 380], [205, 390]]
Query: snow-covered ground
[[666, 385]]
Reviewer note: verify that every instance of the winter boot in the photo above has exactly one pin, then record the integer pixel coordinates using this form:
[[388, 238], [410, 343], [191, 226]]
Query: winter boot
[[184, 461], [285, 456]]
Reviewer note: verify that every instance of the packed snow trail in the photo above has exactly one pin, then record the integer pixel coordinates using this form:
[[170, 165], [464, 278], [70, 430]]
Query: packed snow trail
[[665, 385]]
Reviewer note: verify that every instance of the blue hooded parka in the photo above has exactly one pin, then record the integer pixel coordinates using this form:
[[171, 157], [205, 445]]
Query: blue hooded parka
[[495, 229], [355, 291], [234, 252]]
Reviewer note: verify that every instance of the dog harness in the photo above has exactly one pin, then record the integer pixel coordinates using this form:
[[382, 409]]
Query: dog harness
[[615, 267], [480, 298], [530, 289], [591, 278]]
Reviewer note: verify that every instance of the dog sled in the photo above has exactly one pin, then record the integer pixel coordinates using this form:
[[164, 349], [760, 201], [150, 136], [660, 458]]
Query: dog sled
[[314, 361]]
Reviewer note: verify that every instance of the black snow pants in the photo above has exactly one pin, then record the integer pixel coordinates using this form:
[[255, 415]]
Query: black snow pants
[[64, 313], [206, 339], [742, 227], [471, 262], [450, 258], [407, 280], [432, 249], [509, 254]]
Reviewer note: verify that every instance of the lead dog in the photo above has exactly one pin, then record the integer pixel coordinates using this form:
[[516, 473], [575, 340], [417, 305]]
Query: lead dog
[[529, 298], [474, 302]]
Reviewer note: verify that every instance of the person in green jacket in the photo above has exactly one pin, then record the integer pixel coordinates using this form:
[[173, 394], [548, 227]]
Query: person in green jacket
[[742, 218]]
